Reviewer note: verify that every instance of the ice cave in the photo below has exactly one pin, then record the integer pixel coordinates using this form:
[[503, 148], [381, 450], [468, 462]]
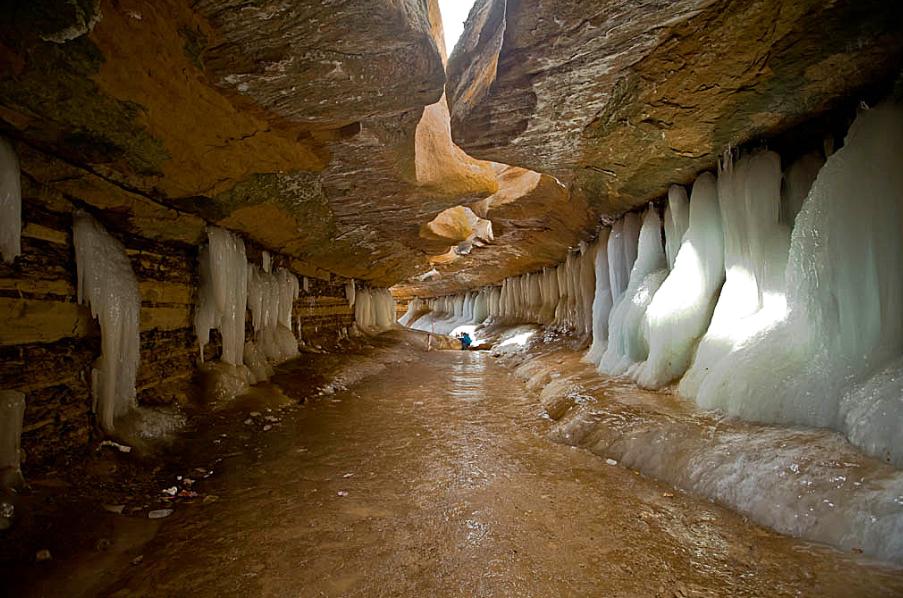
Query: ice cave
[[452, 298]]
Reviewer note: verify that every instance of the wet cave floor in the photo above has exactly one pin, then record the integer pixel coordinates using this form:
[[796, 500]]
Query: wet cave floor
[[431, 476]]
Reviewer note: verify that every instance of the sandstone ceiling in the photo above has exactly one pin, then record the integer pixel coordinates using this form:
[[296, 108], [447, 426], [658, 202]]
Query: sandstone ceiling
[[321, 130], [619, 99], [317, 129]]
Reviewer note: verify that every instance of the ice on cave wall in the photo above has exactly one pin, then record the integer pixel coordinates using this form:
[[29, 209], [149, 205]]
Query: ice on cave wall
[[561, 297], [798, 179], [108, 285], [756, 244], [682, 307], [271, 296], [223, 293], [835, 359], [803, 333], [676, 221], [602, 300], [626, 339], [10, 203], [374, 310]]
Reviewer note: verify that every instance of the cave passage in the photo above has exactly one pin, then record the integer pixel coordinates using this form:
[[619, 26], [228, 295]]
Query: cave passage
[[434, 476]]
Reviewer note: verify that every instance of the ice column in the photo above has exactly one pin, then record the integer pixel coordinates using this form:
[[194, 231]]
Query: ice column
[[626, 341], [107, 284], [798, 179], [677, 220], [10, 203], [682, 308], [622, 250], [755, 256], [836, 359], [271, 298], [223, 294], [601, 298]]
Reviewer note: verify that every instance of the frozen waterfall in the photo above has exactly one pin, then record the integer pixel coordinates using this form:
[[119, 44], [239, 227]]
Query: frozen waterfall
[[108, 285], [223, 293], [755, 256], [626, 340], [681, 309], [835, 360]]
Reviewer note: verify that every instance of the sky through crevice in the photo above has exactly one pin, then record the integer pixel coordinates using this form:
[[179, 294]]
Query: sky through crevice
[[454, 13]]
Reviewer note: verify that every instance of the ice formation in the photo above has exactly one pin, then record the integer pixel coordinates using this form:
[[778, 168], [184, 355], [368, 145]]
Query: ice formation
[[835, 360], [626, 339], [798, 179], [809, 333], [677, 220], [350, 292], [108, 285], [681, 309], [560, 297], [756, 243], [374, 310], [271, 296], [10, 203], [223, 293], [602, 301], [12, 410]]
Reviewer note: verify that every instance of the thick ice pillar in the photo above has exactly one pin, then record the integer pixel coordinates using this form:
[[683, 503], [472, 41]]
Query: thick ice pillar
[[682, 308], [108, 285], [602, 300], [626, 341], [223, 294], [756, 245]]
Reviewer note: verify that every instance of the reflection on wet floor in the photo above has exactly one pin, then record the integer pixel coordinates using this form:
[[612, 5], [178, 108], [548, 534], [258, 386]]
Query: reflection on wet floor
[[434, 477]]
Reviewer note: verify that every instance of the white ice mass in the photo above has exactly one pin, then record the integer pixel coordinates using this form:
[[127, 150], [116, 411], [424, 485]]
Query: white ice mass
[[108, 285]]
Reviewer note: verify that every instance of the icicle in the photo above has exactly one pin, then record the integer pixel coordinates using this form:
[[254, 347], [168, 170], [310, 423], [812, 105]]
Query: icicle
[[601, 298], [10, 203], [755, 256], [223, 295], [626, 342], [266, 262], [107, 284], [306, 285], [350, 292], [835, 360], [682, 308]]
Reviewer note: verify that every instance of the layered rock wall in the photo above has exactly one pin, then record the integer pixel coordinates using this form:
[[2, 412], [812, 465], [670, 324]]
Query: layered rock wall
[[49, 342]]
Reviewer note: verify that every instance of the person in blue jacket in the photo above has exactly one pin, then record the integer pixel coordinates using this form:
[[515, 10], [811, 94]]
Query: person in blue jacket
[[465, 341]]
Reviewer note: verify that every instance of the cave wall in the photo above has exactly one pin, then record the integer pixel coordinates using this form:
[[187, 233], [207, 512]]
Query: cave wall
[[48, 342]]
